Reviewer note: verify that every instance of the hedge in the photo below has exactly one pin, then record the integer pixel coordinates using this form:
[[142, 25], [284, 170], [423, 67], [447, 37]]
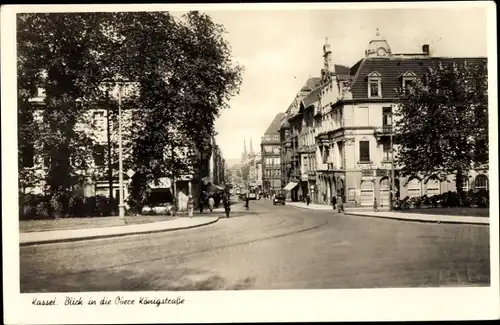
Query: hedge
[[35, 206], [472, 198]]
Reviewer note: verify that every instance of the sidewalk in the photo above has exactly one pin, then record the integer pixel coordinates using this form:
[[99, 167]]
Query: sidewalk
[[56, 236], [419, 217]]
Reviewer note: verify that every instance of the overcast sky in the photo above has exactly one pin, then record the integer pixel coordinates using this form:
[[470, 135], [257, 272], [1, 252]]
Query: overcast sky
[[281, 49]]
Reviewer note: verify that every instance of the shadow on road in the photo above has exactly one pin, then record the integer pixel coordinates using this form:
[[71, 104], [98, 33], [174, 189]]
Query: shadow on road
[[172, 279]]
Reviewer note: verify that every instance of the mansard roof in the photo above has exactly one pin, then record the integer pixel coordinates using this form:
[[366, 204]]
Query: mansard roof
[[392, 68]]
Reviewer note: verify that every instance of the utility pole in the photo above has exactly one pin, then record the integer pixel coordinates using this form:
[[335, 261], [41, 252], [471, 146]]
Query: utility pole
[[108, 136], [121, 205], [174, 207]]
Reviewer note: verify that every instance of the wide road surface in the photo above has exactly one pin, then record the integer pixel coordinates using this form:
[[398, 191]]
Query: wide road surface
[[277, 247]]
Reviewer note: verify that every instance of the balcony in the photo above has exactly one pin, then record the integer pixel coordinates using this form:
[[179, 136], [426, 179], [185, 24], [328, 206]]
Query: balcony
[[385, 130]]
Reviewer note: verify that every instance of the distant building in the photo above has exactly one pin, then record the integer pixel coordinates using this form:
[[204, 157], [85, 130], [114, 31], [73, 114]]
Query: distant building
[[270, 148]]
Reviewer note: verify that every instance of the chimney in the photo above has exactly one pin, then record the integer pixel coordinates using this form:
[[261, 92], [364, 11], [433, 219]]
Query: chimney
[[425, 49]]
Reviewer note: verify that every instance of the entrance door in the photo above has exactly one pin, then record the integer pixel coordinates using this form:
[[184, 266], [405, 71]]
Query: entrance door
[[384, 192], [367, 193]]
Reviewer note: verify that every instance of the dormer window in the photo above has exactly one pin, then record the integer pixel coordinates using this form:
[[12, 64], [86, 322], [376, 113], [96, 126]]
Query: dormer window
[[374, 85], [407, 78]]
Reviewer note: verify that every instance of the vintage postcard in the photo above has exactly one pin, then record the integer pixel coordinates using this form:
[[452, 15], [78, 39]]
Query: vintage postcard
[[249, 163]]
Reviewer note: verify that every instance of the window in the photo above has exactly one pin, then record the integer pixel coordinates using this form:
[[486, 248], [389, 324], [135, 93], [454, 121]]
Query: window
[[276, 138], [407, 78], [99, 155], [387, 116], [414, 188], [46, 162], [374, 89], [326, 154], [374, 84], [364, 151], [465, 184], [481, 182], [268, 137], [433, 187], [28, 156], [386, 152]]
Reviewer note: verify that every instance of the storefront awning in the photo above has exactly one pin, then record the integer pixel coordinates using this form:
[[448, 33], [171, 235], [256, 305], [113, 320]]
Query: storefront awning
[[290, 186]]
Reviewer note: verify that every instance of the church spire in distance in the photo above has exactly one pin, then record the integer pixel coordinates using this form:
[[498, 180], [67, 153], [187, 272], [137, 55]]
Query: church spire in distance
[[251, 147]]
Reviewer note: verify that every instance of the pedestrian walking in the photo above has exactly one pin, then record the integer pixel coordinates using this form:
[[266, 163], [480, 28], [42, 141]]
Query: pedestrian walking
[[334, 202], [227, 205], [375, 207], [308, 198], [340, 205], [190, 205], [211, 203]]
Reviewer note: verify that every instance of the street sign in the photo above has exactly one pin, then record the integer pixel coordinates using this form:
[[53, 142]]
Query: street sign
[[130, 173]]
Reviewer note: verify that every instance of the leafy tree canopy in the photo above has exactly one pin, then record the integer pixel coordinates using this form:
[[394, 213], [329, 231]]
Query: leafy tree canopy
[[442, 121]]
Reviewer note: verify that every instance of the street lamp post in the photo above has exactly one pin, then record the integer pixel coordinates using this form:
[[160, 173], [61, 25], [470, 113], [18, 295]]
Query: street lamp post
[[121, 205]]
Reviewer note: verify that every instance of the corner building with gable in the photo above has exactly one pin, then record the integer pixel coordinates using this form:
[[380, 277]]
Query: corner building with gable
[[353, 123]]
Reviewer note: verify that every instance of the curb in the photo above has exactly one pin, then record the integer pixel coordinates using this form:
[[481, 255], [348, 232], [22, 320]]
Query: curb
[[418, 220], [66, 240]]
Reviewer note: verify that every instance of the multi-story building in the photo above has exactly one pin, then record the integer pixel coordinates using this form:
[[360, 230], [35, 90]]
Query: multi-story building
[[353, 142], [271, 156], [217, 167], [258, 171], [296, 140]]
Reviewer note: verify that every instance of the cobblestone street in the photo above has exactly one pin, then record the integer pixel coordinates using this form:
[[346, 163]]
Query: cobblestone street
[[274, 248]]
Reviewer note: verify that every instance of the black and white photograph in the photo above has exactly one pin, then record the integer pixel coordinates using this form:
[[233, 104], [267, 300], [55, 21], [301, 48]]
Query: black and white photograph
[[182, 163]]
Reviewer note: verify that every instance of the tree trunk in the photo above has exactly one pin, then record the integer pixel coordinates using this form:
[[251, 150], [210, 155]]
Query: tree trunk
[[458, 185]]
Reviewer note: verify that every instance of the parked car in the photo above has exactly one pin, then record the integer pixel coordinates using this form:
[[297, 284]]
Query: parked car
[[279, 198]]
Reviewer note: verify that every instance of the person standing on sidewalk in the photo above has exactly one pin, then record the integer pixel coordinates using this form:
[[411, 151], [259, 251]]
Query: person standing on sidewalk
[[190, 205], [202, 202], [247, 202], [308, 198], [334, 202], [211, 203]]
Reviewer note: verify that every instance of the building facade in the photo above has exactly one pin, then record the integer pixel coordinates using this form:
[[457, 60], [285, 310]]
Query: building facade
[[297, 143], [351, 124], [100, 173], [270, 148]]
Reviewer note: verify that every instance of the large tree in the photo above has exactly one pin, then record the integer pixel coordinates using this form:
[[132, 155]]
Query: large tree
[[442, 121], [185, 77], [181, 69], [59, 52]]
